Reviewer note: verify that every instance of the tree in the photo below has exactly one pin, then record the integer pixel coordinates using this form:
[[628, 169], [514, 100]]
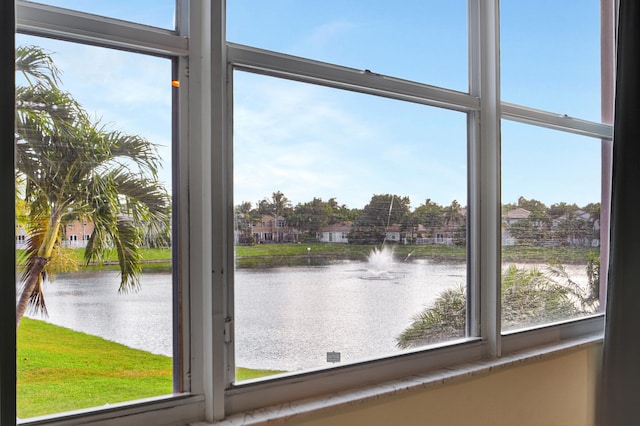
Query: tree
[[339, 213], [452, 214], [533, 205], [279, 204], [74, 168], [529, 297], [384, 210], [558, 210], [311, 216], [445, 319], [430, 215], [454, 218], [243, 221], [371, 225]]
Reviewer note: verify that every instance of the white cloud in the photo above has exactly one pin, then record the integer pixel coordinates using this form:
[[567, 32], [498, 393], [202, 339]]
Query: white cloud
[[309, 141]]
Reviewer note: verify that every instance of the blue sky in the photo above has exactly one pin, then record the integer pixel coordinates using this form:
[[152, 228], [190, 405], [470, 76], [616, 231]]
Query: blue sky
[[308, 141]]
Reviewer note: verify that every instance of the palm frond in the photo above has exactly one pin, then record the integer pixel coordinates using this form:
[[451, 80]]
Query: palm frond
[[445, 319], [126, 242], [36, 63], [132, 149], [146, 202]]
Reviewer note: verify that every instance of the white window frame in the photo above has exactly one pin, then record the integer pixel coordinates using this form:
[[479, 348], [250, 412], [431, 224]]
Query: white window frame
[[204, 64]]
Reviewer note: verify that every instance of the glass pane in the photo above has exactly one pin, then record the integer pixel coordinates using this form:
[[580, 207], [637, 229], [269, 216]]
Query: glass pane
[[550, 225], [157, 13], [88, 146], [550, 56], [423, 40], [350, 225]]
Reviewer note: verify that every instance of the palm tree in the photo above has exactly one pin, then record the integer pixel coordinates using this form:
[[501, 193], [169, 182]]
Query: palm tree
[[529, 297], [278, 205], [453, 214], [73, 168]]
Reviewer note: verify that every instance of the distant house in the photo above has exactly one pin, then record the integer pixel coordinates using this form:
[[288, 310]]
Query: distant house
[[584, 230], [21, 237], [512, 216], [508, 219], [448, 230], [75, 234], [394, 234], [335, 233], [272, 229]]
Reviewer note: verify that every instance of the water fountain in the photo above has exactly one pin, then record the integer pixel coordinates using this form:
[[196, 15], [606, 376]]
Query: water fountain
[[380, 265]]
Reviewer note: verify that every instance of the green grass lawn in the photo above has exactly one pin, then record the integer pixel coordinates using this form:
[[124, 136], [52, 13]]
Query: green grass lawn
[[62, 370], [289, 254], [282, 253], [153, 260]]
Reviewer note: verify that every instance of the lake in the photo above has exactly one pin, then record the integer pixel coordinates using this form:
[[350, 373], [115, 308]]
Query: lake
[[286, 318]]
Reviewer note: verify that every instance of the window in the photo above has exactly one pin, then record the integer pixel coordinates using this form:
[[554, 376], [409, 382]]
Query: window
[[561, 42], [118, 147], [380, 123], [384, 158], [553, 167]]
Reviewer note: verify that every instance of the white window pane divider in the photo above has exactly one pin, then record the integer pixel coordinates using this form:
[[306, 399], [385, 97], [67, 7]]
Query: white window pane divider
[[520, 340], [553, 121], [363, 81], [49, 21], [485, 178]]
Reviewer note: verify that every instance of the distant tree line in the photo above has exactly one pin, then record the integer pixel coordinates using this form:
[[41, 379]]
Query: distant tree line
[[369, 224], [561, 223]]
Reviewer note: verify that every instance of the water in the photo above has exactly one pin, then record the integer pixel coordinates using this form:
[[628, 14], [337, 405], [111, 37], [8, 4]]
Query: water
[[289, 318], [286, 318], [90, 302]]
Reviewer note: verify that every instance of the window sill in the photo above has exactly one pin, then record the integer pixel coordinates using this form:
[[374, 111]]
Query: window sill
[[313, 406]]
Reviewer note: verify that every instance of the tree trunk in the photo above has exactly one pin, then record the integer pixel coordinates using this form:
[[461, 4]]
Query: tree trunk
[[29, 286]]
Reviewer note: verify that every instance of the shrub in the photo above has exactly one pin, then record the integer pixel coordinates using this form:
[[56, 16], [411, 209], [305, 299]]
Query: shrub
[[529, 297]]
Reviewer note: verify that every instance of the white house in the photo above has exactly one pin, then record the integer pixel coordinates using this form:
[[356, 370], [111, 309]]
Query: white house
[[335, 233]]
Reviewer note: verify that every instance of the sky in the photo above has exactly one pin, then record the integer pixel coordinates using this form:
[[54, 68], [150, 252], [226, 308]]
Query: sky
[[309, 141]]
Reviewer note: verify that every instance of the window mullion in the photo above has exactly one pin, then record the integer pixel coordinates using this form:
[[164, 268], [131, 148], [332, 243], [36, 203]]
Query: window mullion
[[485, 83], [207, 233], [218, 205]]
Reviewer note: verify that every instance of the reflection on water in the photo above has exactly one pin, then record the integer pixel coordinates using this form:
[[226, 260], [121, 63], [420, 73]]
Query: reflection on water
[[289, 318], [286, 318]]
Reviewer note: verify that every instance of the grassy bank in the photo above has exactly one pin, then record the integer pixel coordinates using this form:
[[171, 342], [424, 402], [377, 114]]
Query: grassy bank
[[153, 260], [62, 370], [290, 254]]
